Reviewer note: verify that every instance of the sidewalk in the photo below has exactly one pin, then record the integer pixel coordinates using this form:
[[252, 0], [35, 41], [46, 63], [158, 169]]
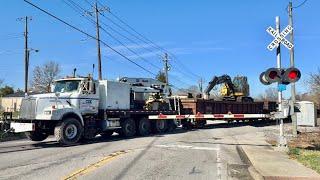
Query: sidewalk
[[271, 164]]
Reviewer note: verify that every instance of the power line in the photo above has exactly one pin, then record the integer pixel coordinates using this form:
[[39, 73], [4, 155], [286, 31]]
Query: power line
[[182, 72], [300, 4], [122, 35], [116, 24], [73, 6], [145, 39], [148, 41], [80, 9], [185, 71], [127, 38], [129, 48], [85, 33], [122, 28], [154, 44], [12, 37]]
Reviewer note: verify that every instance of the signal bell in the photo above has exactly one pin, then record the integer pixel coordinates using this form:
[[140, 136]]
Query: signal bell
[[282, 76]]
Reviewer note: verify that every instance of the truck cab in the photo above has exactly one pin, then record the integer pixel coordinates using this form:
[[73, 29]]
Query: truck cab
[[60, 112]]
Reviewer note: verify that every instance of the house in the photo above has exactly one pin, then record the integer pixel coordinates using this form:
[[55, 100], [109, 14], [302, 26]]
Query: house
[[11, 102]]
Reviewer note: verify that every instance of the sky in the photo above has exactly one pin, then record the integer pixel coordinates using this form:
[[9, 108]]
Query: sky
[[204, 38]]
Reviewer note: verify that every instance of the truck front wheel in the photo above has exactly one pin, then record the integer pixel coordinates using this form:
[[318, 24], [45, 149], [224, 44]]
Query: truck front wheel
[[36, 135], [69, 131]]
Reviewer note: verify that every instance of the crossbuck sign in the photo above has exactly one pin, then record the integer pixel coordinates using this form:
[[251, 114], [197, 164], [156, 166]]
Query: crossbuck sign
[[279, 38]]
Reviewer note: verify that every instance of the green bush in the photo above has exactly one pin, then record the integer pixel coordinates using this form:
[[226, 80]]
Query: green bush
[[294, 152]]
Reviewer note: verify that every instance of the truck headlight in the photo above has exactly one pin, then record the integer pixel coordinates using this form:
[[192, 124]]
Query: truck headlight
[[47, 112]]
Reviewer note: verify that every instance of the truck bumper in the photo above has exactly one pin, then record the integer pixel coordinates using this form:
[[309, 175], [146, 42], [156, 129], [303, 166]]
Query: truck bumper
[[22, 127], [7, 123]]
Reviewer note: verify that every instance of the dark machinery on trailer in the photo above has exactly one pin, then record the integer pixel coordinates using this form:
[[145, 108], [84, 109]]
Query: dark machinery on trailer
[[236, 90]]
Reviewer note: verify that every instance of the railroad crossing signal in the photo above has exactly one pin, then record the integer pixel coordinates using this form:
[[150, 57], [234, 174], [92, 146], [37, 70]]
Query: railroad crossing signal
[[279, 38], [282, 76]]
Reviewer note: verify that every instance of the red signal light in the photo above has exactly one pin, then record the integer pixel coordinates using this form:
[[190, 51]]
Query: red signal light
[[273, 74], [293, 74]]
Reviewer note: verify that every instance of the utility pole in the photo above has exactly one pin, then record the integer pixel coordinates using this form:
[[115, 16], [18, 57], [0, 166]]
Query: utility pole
[[166, 69], [293, 87], [282, 140], [26, 56], [201, 85], [26, 52], [98, 41], [97, 11]]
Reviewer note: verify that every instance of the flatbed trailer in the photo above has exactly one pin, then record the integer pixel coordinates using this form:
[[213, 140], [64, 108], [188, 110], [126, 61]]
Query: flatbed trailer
[[198, 111]]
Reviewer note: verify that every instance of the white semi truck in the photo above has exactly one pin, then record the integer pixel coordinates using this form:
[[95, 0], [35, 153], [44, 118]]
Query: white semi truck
[[81, 108]]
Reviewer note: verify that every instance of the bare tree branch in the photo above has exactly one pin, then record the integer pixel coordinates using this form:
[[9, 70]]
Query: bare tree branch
[[44, 75], [314, 86], [270, 94]]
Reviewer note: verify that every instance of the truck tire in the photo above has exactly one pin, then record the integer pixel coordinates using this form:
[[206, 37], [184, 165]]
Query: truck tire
[[36, 135], [160, 126], [69, 131], [144, 127], [128, 128]]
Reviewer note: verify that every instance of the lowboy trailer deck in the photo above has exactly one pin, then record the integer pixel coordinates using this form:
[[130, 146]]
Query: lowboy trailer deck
[[198, 111]]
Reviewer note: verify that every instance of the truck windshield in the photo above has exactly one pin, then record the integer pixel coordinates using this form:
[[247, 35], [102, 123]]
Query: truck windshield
[[66, 86]]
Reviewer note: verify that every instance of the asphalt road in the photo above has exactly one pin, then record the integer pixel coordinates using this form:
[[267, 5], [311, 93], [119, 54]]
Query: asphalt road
[[209, 153]]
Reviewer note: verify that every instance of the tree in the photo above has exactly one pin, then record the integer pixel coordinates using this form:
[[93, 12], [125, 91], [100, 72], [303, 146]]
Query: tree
[[19, 90], [314, 82], [6, 90], [161, 77], [194, 90], [314, 86], [44, 75], [270, 94]]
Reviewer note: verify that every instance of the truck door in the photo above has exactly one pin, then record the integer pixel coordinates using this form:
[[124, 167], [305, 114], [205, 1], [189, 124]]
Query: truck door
[[89, 97]]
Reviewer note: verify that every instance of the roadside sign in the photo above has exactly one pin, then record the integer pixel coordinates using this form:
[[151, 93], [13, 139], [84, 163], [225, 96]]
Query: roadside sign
[[279, 38], [282, 87]]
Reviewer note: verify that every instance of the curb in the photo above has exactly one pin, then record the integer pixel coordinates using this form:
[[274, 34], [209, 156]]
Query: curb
[[245, 159]]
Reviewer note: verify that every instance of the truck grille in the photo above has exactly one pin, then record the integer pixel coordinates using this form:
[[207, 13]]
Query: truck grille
[[28, 109]]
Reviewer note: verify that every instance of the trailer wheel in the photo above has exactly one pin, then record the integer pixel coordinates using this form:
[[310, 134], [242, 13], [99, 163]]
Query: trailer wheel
[[128, 128], [171, 126], [144, 127], [160, 126], [201, 124], [36, 135], [69, 131]]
